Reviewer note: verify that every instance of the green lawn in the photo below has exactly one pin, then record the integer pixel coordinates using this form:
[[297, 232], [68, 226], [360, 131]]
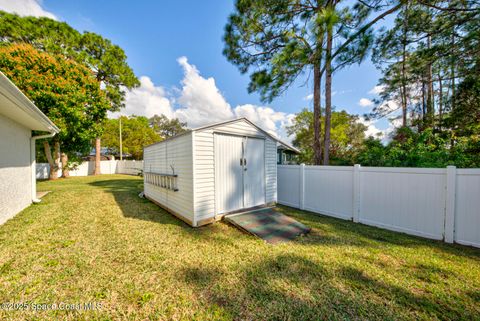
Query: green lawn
[[94, 240]]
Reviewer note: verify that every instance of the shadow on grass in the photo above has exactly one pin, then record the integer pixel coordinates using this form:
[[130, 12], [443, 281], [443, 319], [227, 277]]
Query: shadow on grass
[[289, 286], [292, 287], [253, 289], [325, 230], [329, 230], [125, 191]]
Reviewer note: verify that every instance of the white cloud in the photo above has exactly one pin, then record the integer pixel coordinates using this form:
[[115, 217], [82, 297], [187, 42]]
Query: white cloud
[[308, 97], [334, 93], [26, 8], [372, 125], [395, 123], [343, 92], [377, 90], [385, 133], [265, 117], [199, 102], [391, 105], [365, 102], [372, 129], [147, 100]]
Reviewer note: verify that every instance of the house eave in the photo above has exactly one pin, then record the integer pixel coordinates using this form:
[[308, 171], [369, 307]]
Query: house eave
[[16, 106]]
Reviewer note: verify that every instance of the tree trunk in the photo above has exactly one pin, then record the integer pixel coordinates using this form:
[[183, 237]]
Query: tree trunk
[[120, 134], [430, 107], [56, 154], [317, 114], [452, 67], [48, 153], [404, 105], [98, 149], [64, 161], [53, 161], [440, 102], [423, 102], [328, 96], [404, 72]]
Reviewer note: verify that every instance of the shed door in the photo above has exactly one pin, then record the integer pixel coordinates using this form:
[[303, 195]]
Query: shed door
[[239, 172], [228, 173], [254, 172]]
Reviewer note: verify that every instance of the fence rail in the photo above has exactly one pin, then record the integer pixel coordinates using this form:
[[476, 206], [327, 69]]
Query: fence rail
[[442, 204], [130, 167]]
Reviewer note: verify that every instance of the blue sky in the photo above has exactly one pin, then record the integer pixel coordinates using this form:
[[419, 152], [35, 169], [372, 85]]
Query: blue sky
[[155, 34]]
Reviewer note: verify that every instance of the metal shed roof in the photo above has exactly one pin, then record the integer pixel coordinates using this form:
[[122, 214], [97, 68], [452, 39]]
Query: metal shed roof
[[233, 121]]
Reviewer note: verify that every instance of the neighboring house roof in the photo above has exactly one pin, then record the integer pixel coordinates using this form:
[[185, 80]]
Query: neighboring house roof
[[16, 106], [284, 146], [281, 143]]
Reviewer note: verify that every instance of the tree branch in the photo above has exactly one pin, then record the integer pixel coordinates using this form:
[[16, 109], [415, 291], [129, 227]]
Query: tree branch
[[362, 30], [451, 9]]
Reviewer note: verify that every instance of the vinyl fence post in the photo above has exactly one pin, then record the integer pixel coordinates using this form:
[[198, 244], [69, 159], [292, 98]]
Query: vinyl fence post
[[302, 186], [356, 193], [450, 204]]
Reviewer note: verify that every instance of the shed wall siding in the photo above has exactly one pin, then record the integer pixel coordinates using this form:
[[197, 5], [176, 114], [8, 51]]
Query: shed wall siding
[[205, 165], [204, 175], [15, 168], [270, 170], [157, 159], [240, 127]]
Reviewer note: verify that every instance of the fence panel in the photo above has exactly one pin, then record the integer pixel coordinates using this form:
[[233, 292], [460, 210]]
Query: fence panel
[[288, 185], [428, 202], [84, 169], [130, 167], [107, 167], [42, 171], [467, 207], [404, 200], [329, 190]]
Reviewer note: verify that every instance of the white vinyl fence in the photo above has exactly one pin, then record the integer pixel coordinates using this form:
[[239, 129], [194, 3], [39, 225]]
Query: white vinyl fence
[[130, 167], [442, 204]]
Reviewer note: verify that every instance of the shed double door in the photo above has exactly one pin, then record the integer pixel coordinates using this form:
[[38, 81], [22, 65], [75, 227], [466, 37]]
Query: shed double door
[[239, 172]]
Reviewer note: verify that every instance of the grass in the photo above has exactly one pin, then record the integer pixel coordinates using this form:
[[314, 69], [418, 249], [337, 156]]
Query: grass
[[94, 240]]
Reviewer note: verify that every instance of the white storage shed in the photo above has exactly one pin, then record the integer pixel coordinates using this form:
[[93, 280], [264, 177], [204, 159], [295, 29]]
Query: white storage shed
[[213, 170]]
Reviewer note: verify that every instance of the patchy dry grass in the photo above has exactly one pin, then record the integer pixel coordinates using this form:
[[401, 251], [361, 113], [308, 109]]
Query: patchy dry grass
[[93, 240]]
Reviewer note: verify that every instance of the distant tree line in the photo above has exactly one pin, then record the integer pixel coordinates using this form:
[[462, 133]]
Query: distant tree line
[[347, 137], [430, 61], [138, 132]]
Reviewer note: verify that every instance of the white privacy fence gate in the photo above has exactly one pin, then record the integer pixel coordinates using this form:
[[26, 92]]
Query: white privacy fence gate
[[130, 167], [442, 204]]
